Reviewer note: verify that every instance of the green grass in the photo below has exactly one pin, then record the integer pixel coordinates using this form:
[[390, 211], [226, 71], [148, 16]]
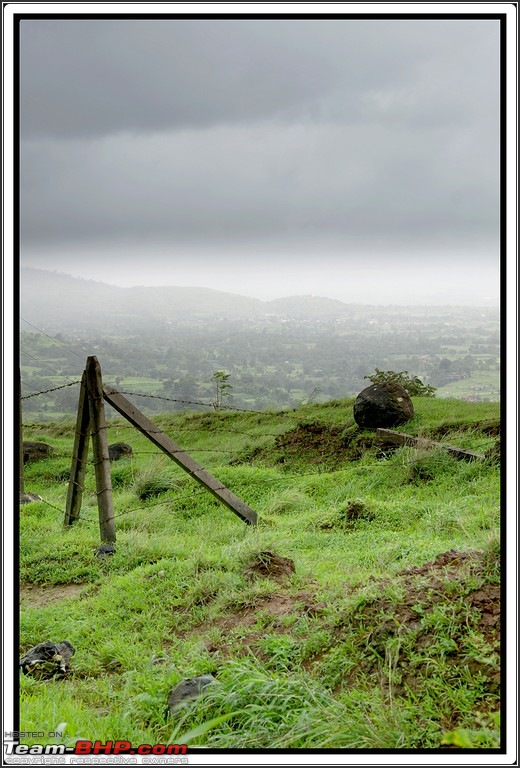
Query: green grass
[[365, 631]]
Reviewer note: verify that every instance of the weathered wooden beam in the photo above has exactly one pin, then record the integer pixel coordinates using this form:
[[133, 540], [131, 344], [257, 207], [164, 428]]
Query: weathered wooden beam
[[400, 438], [98, 432], [79, 456], [175, 452]]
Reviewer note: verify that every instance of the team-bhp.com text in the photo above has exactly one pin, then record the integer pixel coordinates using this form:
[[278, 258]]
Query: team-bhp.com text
[[96, 748]]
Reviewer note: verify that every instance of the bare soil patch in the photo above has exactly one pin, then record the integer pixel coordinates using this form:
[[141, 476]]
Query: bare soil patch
[[438, 619], [438, 586], [269, 564], [237, 628], [275, 606], [39, 595], [331, 446], [321, 444]]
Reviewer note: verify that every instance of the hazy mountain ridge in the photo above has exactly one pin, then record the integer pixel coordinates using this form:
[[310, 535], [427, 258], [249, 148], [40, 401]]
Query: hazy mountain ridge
[[58, 300]]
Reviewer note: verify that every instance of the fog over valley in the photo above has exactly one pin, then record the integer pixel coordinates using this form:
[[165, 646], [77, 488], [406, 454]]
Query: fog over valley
[[169, 341]]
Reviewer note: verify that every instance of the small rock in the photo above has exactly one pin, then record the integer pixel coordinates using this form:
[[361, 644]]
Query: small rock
[[48, 658], [187, 690], [116, 451], [104, 550], [28, 498], [113, 665], [34, 451]]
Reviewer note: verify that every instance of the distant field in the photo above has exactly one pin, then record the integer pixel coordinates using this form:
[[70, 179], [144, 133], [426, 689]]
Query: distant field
[[484, 385]]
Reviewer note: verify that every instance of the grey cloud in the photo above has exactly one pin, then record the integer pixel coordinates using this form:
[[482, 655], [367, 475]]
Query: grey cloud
[[260, 181], [95, 77], [332, 135]]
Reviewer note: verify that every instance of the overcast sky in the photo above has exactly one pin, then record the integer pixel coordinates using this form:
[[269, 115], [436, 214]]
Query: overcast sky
[[356, 159]]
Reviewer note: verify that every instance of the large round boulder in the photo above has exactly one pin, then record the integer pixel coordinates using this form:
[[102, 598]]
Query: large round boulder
[[383, 405]]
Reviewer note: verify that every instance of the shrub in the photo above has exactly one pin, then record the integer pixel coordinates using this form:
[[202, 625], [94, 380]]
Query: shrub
[[413, 384]]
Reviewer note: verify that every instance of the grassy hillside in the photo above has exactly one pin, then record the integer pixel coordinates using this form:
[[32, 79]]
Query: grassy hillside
[[362, 612]]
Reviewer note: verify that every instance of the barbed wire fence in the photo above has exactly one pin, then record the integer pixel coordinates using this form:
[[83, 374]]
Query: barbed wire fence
[[211, 406], [186, 427], [195, 492], [220, 408], [82, 353]]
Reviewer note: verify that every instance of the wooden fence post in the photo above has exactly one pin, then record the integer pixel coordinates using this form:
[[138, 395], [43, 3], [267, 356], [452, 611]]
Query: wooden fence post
[[79, 456], [98, 431], [91, 420]]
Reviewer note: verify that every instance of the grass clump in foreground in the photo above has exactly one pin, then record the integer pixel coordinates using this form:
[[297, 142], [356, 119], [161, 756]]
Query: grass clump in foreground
[[362, 612]]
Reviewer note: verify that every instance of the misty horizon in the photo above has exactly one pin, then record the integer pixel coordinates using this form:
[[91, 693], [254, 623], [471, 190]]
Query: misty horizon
[[266, 294], [273, 349]]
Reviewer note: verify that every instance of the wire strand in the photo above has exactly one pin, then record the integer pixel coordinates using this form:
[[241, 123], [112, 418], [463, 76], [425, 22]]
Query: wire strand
[[53, 389], [40, 362], [52, 338], [198, 402]]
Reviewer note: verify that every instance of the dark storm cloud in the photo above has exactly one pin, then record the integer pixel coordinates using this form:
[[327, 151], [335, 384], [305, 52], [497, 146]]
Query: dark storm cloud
[[201, 132]]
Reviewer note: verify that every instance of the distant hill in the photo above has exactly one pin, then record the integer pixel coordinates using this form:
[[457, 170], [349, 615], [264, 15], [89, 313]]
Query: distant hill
[[307, 306], [58, 302]]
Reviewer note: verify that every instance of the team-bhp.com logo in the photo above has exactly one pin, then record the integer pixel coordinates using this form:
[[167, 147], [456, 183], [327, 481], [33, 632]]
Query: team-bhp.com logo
[[96, 748]]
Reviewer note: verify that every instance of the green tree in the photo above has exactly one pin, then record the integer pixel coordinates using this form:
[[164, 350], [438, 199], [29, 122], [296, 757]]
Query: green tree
[[413, 384], [222, 388]]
